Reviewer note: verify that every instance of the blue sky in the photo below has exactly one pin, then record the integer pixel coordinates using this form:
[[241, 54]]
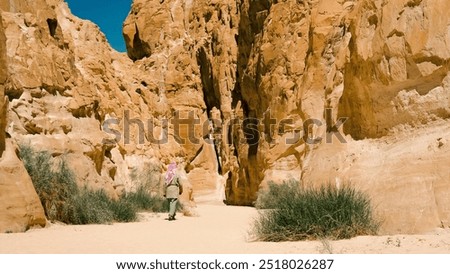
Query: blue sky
[[107, 14]]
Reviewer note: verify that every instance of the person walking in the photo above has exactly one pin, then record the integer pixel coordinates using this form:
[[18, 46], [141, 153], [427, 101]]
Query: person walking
[[173, 188]]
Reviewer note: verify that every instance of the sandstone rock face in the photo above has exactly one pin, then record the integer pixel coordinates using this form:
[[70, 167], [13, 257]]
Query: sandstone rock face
[[254, 65], [3, 101], [70, 94], [399, 60], [403, 174], [20, 207], [319, 91], [235, 54], [240, 93], [189, 47]]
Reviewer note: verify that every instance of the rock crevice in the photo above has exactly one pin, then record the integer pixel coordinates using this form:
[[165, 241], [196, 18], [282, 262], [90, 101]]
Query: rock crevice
[[261, 89]]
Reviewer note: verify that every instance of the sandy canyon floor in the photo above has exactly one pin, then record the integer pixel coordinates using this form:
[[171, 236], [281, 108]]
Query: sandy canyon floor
[[217, 229]]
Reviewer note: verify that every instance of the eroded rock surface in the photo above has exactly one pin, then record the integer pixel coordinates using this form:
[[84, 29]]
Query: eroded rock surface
[[260, 88], [289, 71], [20, 207]]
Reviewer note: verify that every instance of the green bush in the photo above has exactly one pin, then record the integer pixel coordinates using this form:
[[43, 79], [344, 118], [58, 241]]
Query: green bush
[[63, 201], [143, 200], [96, 207], [88, 207], [289, 213], [276, 194], [54, 183], [124, 211]]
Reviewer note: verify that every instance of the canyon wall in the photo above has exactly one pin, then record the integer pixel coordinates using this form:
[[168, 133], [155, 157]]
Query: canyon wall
[[69, 93], [319, 91], [3, 101], [20, 207], [240, 93]]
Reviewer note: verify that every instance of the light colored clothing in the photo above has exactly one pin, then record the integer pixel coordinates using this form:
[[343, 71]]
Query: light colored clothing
[[173, 189], [173, 202]]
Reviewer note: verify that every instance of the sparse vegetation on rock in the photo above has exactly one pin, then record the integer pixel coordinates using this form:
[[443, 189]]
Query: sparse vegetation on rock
[[54, 182], [64, 201]]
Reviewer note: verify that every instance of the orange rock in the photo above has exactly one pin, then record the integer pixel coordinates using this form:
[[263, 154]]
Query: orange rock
[[20, 207], [268, 74]]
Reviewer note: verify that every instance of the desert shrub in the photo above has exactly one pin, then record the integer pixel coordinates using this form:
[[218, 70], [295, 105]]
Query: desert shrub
[[54, 182], [289, 212], [96, 207], [124, 211], [63, 201], [142, 199], [61, 198], [277, 194], [88, 207]]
